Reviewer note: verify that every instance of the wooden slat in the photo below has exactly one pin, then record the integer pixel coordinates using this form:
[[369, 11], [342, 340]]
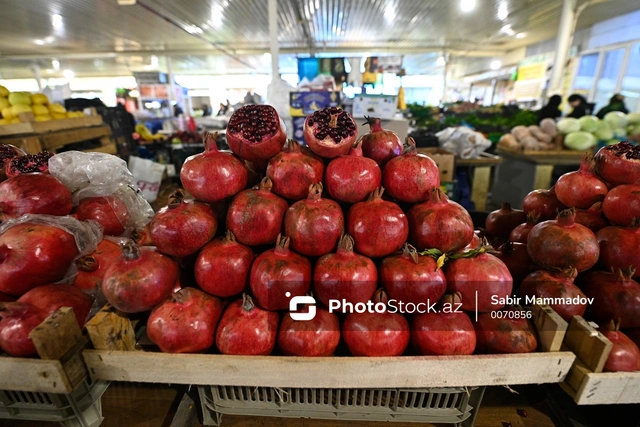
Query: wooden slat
[[551, 157], [58, 334], [480, 186], [36, 375], [589, 345], [62, 138], [109, 149], [609, 388], [550, 326], [50, 126], [111, 329]]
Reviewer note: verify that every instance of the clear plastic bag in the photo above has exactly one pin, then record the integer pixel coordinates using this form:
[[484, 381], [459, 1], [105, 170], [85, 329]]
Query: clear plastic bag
[[463, 142]]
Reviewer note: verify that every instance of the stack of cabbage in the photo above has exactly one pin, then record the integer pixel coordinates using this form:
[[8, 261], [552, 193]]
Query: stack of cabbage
[[585, 132], [14, 103]]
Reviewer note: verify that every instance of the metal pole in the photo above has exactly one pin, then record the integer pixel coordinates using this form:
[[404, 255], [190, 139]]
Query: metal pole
[[172, 85], [562, 45], [273, 38], [445, 71], [494, 83], [37, 74]]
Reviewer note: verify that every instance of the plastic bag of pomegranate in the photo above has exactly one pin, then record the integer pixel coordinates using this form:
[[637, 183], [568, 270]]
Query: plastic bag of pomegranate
[[463, 142]]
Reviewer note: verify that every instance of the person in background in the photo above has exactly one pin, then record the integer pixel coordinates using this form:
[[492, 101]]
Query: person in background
[[223, 109], [579, 104], [616, 103], [177, 110], [551, 110], [206, 110]]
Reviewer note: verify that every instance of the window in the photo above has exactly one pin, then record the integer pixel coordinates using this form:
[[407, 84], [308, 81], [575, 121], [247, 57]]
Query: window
[[608, 78], [586, 74], [630, 87]]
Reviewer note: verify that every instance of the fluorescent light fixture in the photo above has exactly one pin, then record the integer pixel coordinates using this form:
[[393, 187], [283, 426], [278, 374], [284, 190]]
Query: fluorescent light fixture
[[495, 64], [503, 13], [56, 21], [521, 35], [68, 74], [440, 61], [55, 64], [390, 12], [467, 5], [126, 2], [508, 30], [38, 42], [50, 39]]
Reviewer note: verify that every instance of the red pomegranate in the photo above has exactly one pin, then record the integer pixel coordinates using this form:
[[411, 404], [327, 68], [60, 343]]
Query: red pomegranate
[[6, 298], [619, 247], [634, 335], [278, 275], [256, 132], [516, 257], [543, 202], [582, 188], [7, 152], [618, 164], [34, 193], [245, 329], [625, 354], [222, 267], [352, 177], [50, 298], [186, 322], [29, 163], [439, 223], [17, 320], [410, 177], [500, 223], [559, 284], [91, 268], [182, 227], [411, 278], [448, 331], [344, 275], [592, 217], [622, 204], [33, 255], [507, 332], [139, 280], [380, 144], [110, 212], [616, 296], [255, 216], [562, 243], [378, 227], [315, 224], [475, 242], [484, 274], [142, 237], [311, 338], [213, 175], [330, 132], [293, 170], [520, 234]]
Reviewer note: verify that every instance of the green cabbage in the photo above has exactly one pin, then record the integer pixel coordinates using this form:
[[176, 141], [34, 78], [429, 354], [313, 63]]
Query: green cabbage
[[616, 119], [620, 133], [568, 125], [589, 123], [633, 130], [604, 133], [634, 118], [579, 141]]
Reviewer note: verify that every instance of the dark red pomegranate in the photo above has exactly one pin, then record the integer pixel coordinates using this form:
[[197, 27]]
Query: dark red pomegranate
[[618, 164], [543, 202], [582, 188], [28, 163], [506, 332], [186, 322], [142, 237], [516, 257], [141, 279], [352, 177], [330, 132], [484, 274], [616, 296], [256, 132], [50, 298], [520, 234], [634, 335], [592, 217], [91, 268], [222, 268], [619, 247], [314, 225], [625, 354], [33, 255], [380, 144], [345, 275], [410, 177], [622, 204], [558, 284], [378, 227], [293, 170], [183, 227], [7, 152], [439, 223], [213, 175], [446, 332], [245, 329], [34, 193], [500, 223], [6, 298], [562, 243], [17, 320], [278, 275], [476, 241], [110, 212], [411, 278], [255, 216], [311, 338]]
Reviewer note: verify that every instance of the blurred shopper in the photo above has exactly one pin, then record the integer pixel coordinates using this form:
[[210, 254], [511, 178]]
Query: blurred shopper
[[616, 103], [580, 106], [177, 110], [551, 110], [206, 110], [223, 109]]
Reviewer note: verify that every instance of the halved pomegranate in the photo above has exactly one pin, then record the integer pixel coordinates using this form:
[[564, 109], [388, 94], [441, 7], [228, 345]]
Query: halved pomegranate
[[8, 152], [619, 164], [256, 132], [28, 163], [330, 132]]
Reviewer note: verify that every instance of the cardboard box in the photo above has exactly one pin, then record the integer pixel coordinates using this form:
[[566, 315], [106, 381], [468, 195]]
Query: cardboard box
[[449, 188], [305, 103], [399, 126], [382, 106], [298, 129], [444, 159]]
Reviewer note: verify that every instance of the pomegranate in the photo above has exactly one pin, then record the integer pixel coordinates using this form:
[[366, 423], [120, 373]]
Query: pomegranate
[[559, 284], [222, 268], [315, 224], [256, 132], [380, 144], [213, 175], [34, 193], [483, 273], [625, 354], [543, 202], [345, 275], [293, 170], [520, 234], [6, 298], [376, 334], [139, 280], [7, 152], [619, 247], [312, 338], [446, 332], [245, 329], [378, 227], [330, 132], [255, 216], [622, 204], [352, 177], [110, 212], [33, 255], [592, 217], [28, 163], [410, 177], [91, 268], [616, 296], [562, 243], [476, 241], [17, 320], [516, 257], [411, 278], [634, 335], [501, 222], [186, 322], [278, 275], [439, 223], [582, 188], [142, 237], [508, 332], [618, 164], [182, 227], [50, 298]]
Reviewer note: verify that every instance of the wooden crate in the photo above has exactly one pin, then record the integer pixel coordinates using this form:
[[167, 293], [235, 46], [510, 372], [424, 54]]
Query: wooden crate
[[113, 360], [49, 126], [586, 383]]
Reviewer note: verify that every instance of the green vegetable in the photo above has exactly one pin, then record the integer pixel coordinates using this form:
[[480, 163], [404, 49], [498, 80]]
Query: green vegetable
[[604, 134], [620, 133], [616, 119], [568, 125], [589, 123], [633, 118], [580, 141]]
